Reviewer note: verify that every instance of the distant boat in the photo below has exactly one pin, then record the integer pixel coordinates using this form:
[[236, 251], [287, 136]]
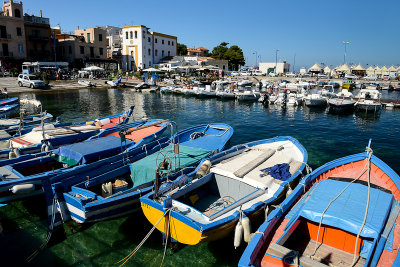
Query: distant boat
[[114, 83], [342, 102], [210, 202], [87, 83], [344, 213], [248, 95], [315, 100]]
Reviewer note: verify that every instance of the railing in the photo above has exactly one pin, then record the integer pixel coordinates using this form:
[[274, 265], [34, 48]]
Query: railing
[[5, 36]]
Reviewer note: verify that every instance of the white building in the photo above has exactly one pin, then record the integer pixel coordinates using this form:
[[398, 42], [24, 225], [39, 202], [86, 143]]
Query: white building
[[268, 67], [186, 62], [142, 49]]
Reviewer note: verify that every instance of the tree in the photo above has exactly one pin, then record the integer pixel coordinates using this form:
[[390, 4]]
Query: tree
[[235, 57], [182, 49], [219, 51]]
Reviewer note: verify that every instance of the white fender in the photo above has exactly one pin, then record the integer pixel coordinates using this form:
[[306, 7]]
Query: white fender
[[11, 155], [22, 188], [246, 228], [238, 235], [106, 189], [289, 191], [266, 212], [204, 169]]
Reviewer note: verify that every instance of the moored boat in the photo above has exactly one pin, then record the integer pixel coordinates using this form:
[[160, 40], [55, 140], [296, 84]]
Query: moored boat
[[368, 100], [315, 100], [345, 213], [117, 192], [342, 102], [8, 101], [242, 181]]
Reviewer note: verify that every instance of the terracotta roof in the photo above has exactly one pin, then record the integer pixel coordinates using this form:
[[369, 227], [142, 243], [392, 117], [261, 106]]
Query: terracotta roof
[[193, 50], [202, 48]]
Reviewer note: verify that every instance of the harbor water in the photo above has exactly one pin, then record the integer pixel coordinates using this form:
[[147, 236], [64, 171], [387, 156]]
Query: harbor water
[[326, 137]]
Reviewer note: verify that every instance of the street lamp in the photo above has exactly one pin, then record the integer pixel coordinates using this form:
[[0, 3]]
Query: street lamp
[[345, 44], [276, 61], [256, 56]]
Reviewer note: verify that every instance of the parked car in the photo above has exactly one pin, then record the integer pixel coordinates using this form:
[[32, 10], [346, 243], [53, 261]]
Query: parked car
[[290, 74], [322, 76], [273, 74], [258, 73], [351, 76], [306, 75], [30, 81], [245, 73], [371, 77]]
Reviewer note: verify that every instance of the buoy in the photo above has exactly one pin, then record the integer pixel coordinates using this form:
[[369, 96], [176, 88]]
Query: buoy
[[22, 188], [106, 189], [289, 191], [204, 169], [246, 228], [238, 235], [11, 155]]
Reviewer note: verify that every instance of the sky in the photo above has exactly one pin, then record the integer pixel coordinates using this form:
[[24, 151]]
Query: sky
[[304, 32]]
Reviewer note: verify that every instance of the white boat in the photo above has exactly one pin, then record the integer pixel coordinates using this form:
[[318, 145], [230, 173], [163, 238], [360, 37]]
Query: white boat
[[87, 83], [114, 83], [205, 92], [342, 102], [368, 100], [167, 89], [372, 86], [226, 94], [244, 83], [315, 100], [248, 95]]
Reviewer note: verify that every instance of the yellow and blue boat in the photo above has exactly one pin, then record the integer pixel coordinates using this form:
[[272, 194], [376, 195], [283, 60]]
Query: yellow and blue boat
[[238, 185]]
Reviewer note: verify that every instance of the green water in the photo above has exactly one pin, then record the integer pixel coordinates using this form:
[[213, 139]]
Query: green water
[[325, 136]]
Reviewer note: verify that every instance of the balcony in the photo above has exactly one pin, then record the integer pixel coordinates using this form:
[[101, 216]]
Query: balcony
[[9, 54], [5, 36]]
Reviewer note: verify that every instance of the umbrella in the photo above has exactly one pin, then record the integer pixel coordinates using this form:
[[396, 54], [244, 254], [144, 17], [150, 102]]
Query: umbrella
[[93, 68]]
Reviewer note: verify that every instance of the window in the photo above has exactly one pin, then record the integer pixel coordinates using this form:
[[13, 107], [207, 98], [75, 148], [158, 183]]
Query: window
[[169, 53], [156, 40], [162, 53], [148, 51], [144, 34], [131, 33], [82, 49], [172, 43], [70, 49], [20, 48], [88, 37], [19, 31], [149, 63], [169, 43], [148, 39], [135, 34], [156, 52], [126, 35], [101, 51], [17, 13], [162, 41], [100, 38]]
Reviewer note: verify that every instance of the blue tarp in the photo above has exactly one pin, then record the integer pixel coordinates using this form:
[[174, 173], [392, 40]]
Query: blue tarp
[[88, 151], [348, 211], [279, 171]]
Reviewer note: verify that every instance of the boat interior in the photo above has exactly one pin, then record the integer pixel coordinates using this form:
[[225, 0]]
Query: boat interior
[[237, 181], [137, 135]]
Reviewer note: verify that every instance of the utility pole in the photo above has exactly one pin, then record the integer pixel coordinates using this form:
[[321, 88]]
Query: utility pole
[[276, 61], [256, 56], [345, 44]]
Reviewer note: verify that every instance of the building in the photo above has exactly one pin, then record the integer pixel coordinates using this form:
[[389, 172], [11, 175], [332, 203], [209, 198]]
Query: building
[[85, 47], [39, 45], [268, 67], [185, 62], [114, 44], [12, 35], [199, 51], [142, 49]]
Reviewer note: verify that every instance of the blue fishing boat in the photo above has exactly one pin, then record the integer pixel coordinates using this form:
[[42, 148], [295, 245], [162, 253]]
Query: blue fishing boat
[[23, 176], [8, 101], [7, 110], [50, 136], [345, 213], [14, 124], [117, 192], [227, 192]]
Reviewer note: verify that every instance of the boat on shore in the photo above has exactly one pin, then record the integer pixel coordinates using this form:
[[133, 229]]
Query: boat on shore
[[345, 213], [86, 83], [210, 202], [117, 192]]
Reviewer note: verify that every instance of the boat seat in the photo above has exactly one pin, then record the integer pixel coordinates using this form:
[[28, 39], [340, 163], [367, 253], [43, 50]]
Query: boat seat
[[255, 163], [7, 175], [279, 251], [294, 166]]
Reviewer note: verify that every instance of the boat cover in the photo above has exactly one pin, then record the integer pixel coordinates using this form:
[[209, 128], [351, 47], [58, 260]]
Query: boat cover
[[88, 151], [347, 211], [144, 170]]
